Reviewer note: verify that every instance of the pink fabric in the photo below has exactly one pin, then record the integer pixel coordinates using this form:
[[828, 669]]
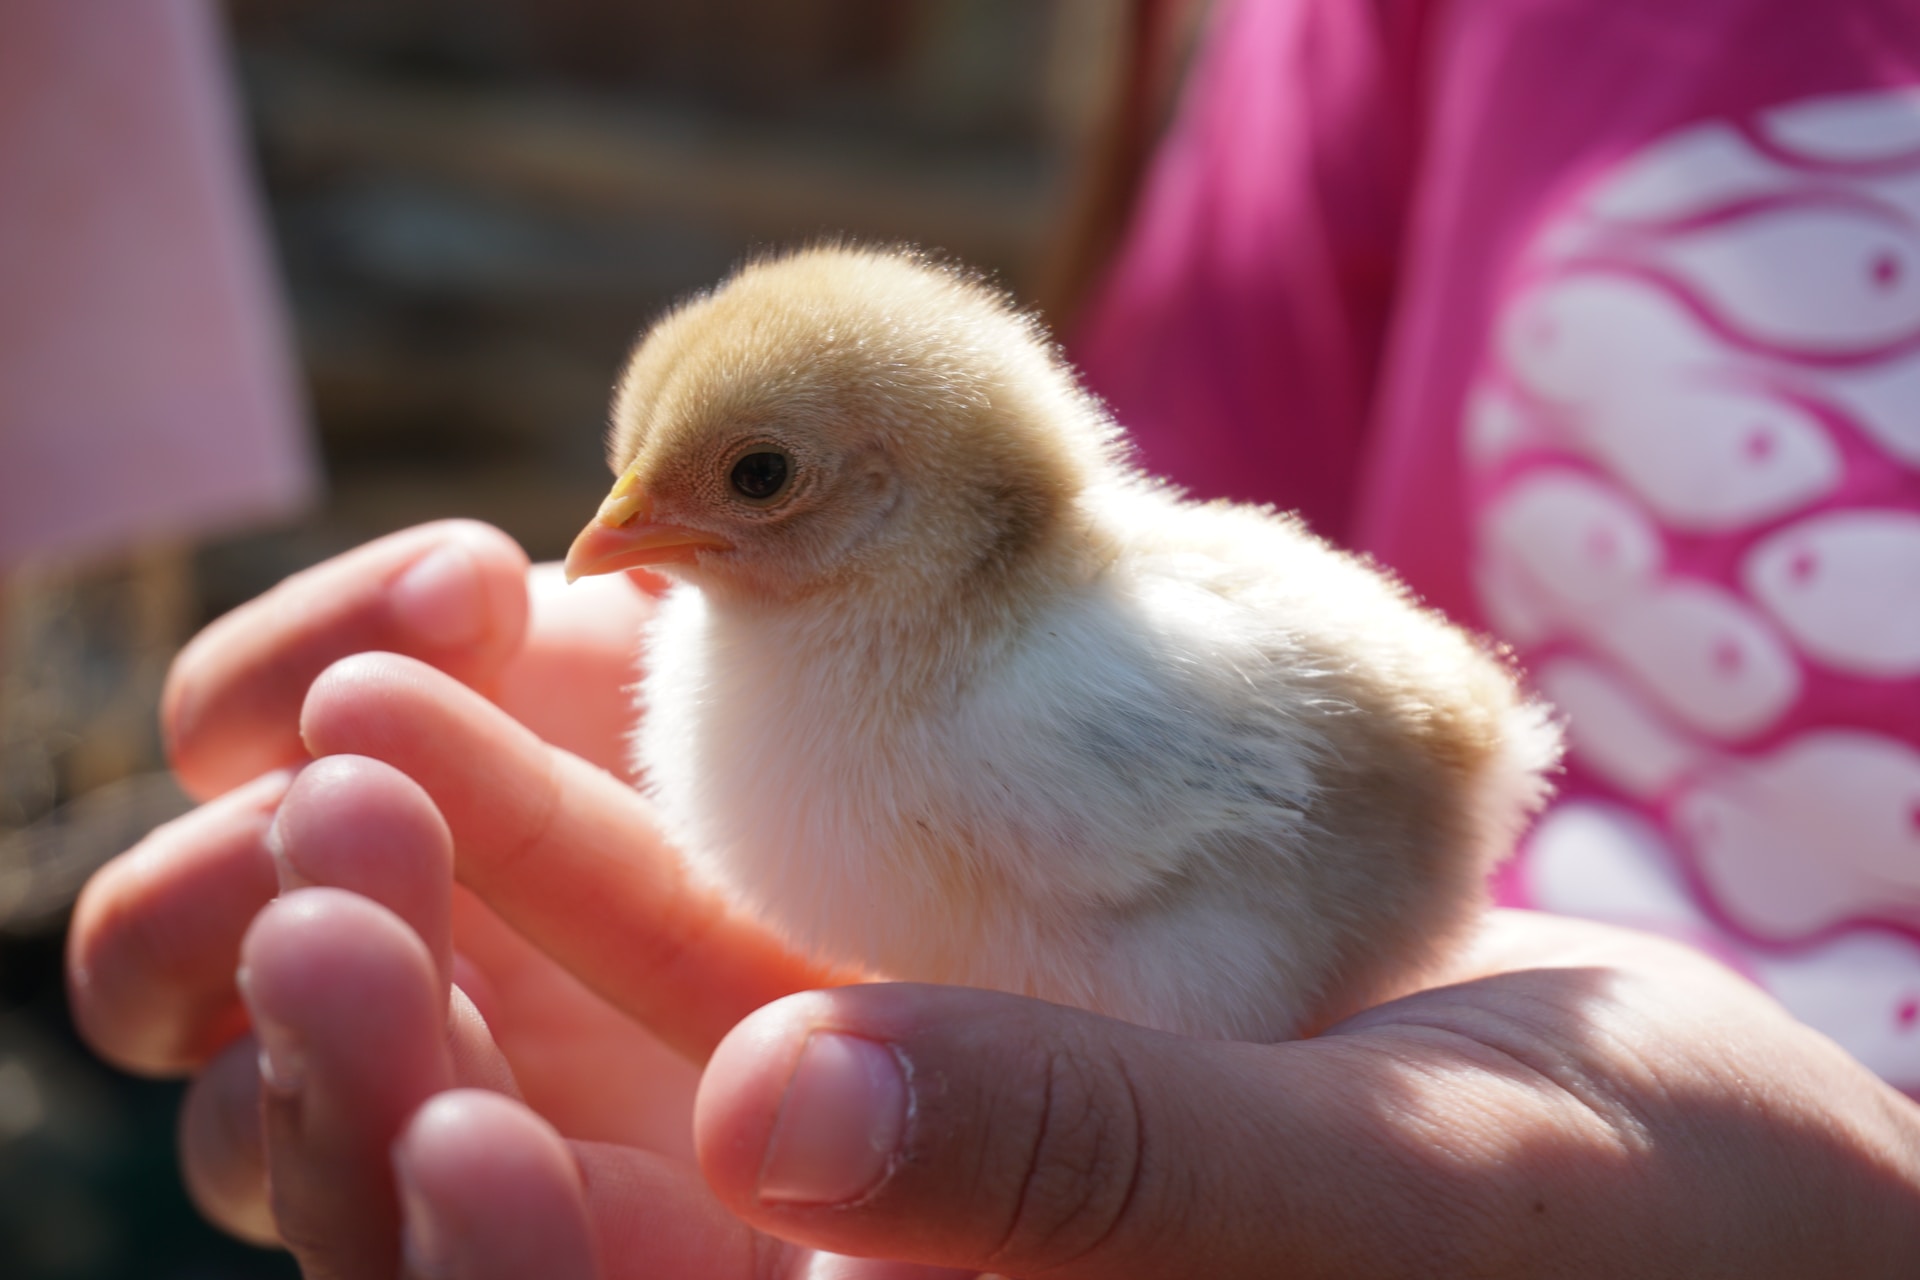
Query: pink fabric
[[1260, 270], [145, 385], [1600, 321]]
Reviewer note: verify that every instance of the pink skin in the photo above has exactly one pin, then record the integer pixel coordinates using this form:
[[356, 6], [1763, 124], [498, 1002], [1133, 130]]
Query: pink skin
[[1582, 1101]]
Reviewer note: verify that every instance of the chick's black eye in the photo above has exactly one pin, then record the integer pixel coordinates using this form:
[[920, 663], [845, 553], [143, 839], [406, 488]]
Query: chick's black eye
[[760, 475]]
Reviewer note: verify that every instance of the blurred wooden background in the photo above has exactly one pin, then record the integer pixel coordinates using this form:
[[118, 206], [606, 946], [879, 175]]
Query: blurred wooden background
[[476, 207], [479, 204]]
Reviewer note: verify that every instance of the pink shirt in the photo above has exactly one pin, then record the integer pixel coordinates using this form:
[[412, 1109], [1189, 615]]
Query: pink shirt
[[1600, 321]]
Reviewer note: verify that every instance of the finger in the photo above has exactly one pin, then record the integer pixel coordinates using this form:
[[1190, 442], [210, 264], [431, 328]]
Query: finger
[[477, 1060], [559, 1035], [581, 636], [655, 1218], [222, 1150], [350, 1015], [452, 593], [974, 1129], [154, 952], [564, 852], [491, 1190], [356, 824], [151, 950], [361, 825]]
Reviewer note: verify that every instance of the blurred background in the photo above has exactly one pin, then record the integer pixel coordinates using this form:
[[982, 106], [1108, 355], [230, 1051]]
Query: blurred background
[[471, 208]]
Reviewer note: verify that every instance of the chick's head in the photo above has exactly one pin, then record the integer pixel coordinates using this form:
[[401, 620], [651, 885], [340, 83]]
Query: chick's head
[[841, 416]]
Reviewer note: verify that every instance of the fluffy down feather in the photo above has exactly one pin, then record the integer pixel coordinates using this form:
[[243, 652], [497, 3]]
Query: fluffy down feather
[[967, 698]]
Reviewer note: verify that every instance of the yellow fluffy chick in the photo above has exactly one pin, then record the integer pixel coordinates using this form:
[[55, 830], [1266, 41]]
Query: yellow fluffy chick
[[948, 690]]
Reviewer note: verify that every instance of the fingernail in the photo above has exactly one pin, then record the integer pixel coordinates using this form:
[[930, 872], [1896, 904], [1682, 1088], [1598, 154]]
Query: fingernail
[[439, 599], [840, 1123], [423, 1240], [276, 843], [283, 1059]]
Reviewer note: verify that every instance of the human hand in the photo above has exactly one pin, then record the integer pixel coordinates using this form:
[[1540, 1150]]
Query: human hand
[[1579, 1100], [364, 1047], [1574, 1100], [1398, 1142], [156, 936]]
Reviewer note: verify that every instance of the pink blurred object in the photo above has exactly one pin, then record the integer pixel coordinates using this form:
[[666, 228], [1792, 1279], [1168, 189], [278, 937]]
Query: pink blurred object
[[146, 385]]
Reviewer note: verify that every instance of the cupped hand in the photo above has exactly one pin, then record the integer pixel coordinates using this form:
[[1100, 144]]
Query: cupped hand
[[1578, 1100], [385, 1099], [156, 936]]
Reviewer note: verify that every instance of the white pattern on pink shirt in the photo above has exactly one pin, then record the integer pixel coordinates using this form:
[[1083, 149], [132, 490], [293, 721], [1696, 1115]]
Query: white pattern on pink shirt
[[1694, 459]]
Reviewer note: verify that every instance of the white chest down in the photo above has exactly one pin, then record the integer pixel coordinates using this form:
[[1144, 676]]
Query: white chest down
[[1092, 815]]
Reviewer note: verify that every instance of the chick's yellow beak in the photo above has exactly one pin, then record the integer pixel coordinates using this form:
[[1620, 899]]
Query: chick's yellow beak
[[622, 535]]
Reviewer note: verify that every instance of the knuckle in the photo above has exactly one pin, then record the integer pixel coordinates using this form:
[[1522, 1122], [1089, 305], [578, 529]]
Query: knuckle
[[1083, 1166]]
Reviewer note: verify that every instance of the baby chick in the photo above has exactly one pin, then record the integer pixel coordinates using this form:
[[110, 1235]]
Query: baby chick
[[948, 690]]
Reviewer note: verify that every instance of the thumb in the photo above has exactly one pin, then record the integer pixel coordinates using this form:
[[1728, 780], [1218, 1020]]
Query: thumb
[[979, 1130]]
